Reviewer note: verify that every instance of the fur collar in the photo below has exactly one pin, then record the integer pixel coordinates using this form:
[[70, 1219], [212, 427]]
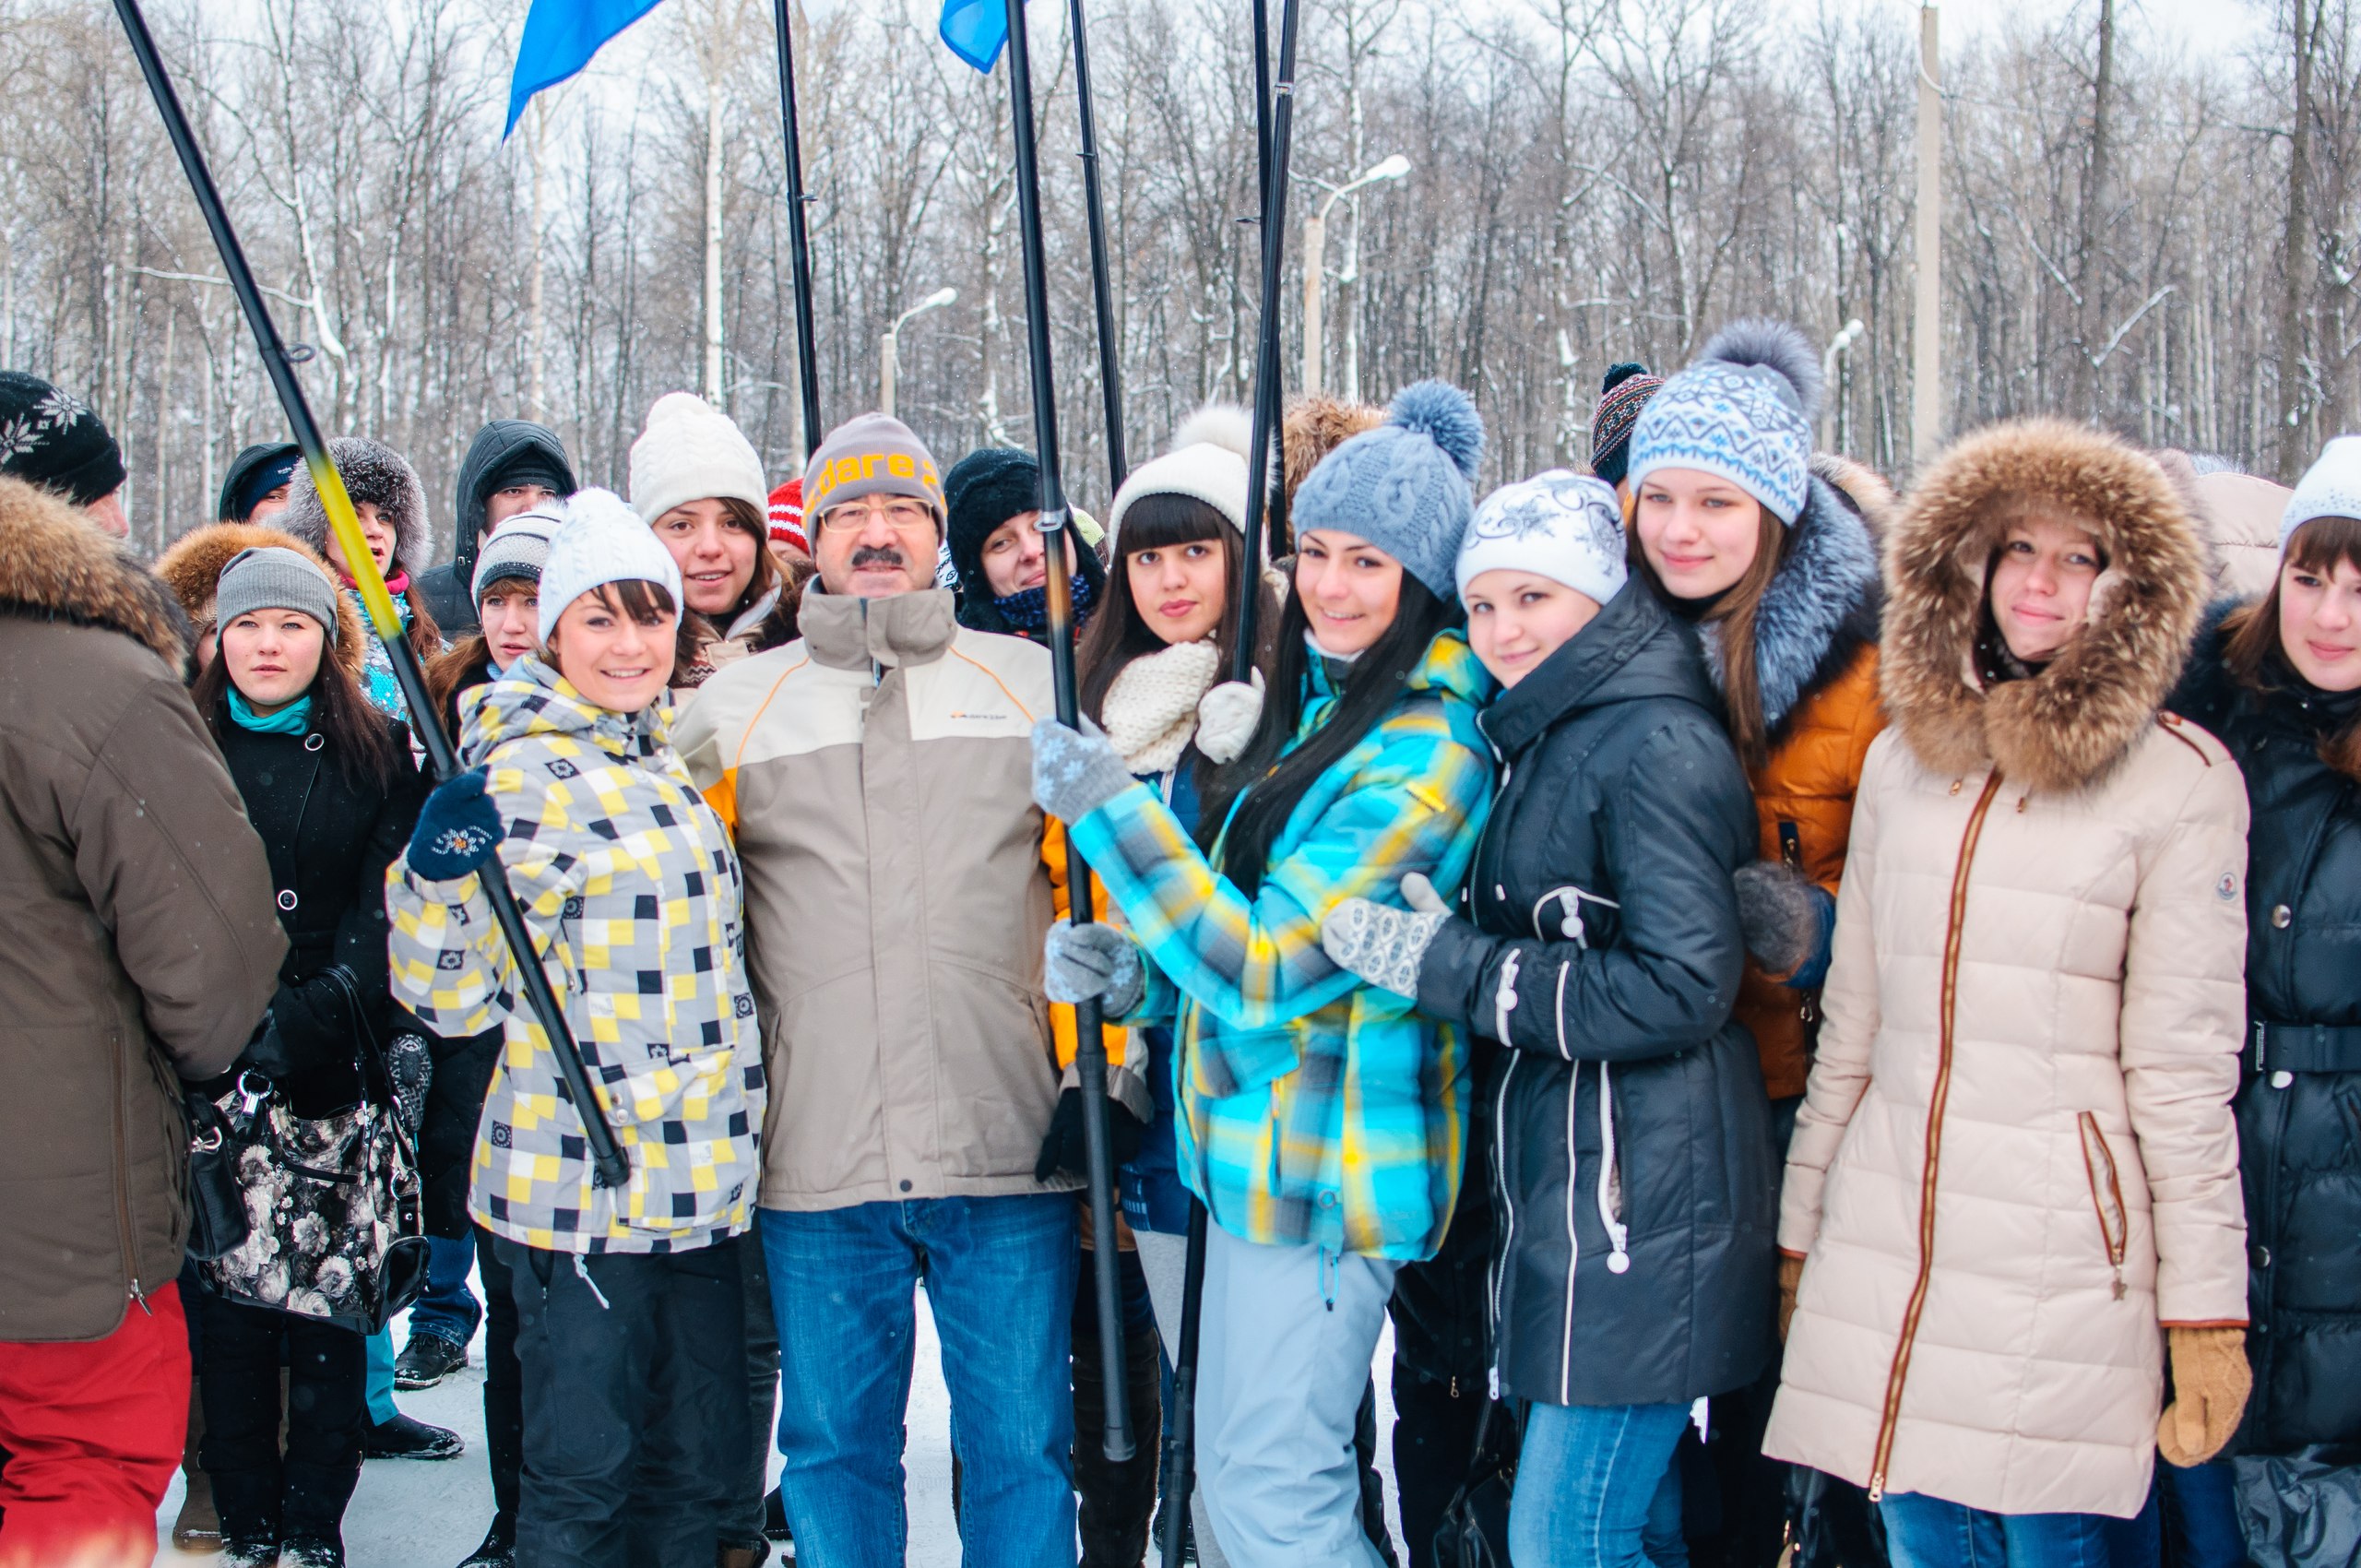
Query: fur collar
[[56, 565], [2069, 726], [1811, 617], [192, 569]]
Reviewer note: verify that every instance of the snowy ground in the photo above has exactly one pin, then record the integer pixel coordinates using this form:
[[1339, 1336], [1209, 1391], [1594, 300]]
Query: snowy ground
[[413, 1514]]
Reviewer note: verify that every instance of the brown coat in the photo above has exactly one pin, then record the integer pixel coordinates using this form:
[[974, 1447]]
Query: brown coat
[[2016, 1162], [137, 937]]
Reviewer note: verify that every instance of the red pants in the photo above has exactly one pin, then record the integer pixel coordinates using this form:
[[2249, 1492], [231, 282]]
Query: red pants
[[93, 1434]]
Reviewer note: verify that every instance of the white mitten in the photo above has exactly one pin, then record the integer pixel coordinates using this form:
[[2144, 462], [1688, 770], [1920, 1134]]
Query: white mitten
[[1227, 716]]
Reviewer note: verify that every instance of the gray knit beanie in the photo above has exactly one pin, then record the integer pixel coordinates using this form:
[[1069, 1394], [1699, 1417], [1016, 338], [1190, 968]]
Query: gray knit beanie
[[870, 455], [518, 547], [1403, 486], [273, 578]]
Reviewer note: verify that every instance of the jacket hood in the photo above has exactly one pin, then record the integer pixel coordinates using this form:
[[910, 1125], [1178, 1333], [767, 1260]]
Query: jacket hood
[[1861, 488], [372, 473], [192, 569], [531, 698], [1630, 651], [2069, 725], [247, 461], [56, 565], [494, 445], [1821, 605]]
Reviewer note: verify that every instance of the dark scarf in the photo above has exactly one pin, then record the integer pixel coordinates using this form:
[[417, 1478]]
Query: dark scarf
[[1027, 613]]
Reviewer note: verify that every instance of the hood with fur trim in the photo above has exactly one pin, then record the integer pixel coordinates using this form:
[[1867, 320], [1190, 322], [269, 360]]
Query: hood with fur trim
[[56, 565], [1819, 610], [192, 569], [377, 474], [1315, 426], [2070, 725]]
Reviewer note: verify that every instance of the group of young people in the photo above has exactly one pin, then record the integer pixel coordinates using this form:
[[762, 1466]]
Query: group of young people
[[1703, 943]]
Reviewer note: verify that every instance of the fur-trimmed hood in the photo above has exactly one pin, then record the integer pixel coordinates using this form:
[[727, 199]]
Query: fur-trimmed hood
[[1315, 426], [1820, 608], [2070, 725], [372, 473], [1863, 487], [192, 569], [56, 565]]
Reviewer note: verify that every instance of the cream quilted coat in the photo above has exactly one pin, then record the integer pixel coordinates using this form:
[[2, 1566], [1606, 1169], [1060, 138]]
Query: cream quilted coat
[[2015, 1162]]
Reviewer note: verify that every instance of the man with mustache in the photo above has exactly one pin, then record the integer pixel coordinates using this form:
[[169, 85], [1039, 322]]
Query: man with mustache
[[877, 773]]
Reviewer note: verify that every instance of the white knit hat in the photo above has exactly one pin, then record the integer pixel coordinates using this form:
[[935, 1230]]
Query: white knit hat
[[1558, 524], [602, 541], [2329, 488], [1208, 462], [689, 451]]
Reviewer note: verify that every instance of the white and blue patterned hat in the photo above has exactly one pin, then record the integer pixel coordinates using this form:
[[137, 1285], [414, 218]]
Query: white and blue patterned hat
[[1742, 409], [1563, 526]]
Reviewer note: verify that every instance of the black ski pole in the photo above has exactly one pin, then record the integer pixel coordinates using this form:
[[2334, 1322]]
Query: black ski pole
[[1090, 1042], [1275, 245], [426, 719], [799, 241], [1110, 373]]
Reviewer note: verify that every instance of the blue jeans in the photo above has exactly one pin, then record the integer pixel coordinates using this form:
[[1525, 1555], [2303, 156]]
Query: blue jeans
[[1926, 1532], [2201, 1507], [1000, 1278], [447, 1308], [1596, 1488]]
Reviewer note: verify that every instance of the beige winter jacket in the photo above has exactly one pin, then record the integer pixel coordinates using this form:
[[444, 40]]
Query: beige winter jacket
[[877, 773], [2015, 1160]]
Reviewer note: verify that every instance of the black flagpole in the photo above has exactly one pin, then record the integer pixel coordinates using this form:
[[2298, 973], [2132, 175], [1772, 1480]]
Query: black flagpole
[[1091, 1043], [798, 242], [426, 718], [1110, 374]]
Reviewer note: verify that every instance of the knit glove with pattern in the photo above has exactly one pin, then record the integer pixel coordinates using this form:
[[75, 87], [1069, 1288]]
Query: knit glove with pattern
[[1075, 772], [2210, 1381], [1092, 962], [457, 830], [1383, 945]]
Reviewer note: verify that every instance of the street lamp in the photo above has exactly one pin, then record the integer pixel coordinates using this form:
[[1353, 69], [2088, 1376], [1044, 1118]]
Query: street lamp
[[888, 354], [1315, 244], [1841, 344]]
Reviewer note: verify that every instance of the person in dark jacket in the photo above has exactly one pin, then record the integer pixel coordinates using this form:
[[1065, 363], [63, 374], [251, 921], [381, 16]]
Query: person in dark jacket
[[330, 787], [993, 497], [512, 465], [254, 488], [2279, 682], [1601, 947]]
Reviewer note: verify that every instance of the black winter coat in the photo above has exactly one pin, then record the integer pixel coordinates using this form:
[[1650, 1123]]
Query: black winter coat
[[1634, 1171], [2299, 1097], [329, 841]]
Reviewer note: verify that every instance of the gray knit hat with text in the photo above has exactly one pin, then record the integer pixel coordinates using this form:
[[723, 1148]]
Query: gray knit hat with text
[[870, 455], [273, 578], [1403, 486]]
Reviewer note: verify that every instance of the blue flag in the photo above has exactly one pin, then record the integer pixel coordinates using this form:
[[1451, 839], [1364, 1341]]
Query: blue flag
[[977, 30], [559, 37]]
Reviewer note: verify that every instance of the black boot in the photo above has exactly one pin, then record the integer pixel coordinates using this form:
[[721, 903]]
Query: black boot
[[499, 1547], [1117, 1496]]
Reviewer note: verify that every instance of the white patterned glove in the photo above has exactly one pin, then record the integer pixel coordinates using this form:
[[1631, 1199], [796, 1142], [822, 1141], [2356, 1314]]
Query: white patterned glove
[[1092, 962], [1227, 716], [1383, 945], [1075, 772]]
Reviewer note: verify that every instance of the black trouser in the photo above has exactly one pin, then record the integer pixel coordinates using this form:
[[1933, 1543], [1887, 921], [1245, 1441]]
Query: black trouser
[[262, 1495], [1434, 1451], [504, 1383], [741, 1516], [635, 1404]]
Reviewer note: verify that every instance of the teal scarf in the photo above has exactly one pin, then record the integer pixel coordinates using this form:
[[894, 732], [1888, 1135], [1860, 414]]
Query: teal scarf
[[293, 719]]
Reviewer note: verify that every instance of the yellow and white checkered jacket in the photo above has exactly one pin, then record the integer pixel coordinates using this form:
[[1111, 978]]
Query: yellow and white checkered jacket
[[631, 890]]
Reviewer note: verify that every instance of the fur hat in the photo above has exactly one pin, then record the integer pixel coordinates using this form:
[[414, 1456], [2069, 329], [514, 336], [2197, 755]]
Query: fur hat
[[1404, 485], [603, 542], [1560, 525], [1742, 411], [375, 474], [192, 569], [2329, 488], [689, 451], [1208, 462]]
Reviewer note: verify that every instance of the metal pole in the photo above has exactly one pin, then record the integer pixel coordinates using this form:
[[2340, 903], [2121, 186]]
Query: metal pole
[[1926, 328], [1111, 369], [426, 719], [1315, 249], [1091, 1043], [798, 242]]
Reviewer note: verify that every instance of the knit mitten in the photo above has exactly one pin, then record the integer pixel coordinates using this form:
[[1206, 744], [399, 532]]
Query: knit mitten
[[1092, 962], [1227, 716], [1784, 916], [458, 829], [1383, 945], [2210, 1381], [1074, 773], [1791, 1278]]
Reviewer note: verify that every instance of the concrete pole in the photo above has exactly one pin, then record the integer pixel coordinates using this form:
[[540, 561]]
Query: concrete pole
[[1316, 245], [1927, 346], [888, 365], [713, 244]]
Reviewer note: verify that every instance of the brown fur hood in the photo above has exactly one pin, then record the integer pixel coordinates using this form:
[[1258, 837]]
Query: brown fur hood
[[2070, 725], [192, 569], [55, 565], [1315, 426]]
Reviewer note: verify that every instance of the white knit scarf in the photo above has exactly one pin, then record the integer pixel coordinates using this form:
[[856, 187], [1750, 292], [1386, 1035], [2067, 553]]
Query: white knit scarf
[[1151, 708]]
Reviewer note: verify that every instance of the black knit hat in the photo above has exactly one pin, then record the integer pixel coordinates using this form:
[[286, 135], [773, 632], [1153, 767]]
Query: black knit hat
[[51, 438], [983, 491], [1621, 396]]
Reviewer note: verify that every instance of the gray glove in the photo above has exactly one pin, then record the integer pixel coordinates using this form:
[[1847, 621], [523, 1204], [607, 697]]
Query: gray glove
[[1383, 945], [1787, 920], [1075, 772], [1092, 962]]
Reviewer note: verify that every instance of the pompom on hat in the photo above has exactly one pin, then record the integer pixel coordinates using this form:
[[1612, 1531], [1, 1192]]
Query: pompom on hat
[[1563, 526], [2329, 488], [1742, 411], [603, 542], [1403, 486]]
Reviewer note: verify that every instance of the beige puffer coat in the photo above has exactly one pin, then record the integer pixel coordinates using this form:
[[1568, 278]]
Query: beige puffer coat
[[2015, 1160]]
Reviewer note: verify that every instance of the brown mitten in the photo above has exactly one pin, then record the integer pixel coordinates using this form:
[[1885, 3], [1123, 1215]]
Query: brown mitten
[[1791, 1276], [2210, 1381]]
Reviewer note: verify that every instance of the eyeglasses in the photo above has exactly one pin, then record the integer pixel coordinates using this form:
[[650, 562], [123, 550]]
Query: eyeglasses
[[900, 516]]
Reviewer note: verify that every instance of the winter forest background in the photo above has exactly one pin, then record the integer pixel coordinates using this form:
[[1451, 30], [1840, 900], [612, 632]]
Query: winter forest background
[[2164, 239]]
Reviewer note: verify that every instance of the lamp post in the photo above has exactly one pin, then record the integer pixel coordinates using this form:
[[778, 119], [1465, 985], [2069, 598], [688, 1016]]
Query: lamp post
[[1315, 243], [889, 352], [1838, 346]]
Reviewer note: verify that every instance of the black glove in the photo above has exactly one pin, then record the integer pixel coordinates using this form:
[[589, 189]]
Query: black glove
[[266, 1053], [1064, 1149]]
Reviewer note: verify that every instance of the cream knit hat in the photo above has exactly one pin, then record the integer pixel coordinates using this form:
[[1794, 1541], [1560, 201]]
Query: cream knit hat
[[689, 451], [1208, 463]]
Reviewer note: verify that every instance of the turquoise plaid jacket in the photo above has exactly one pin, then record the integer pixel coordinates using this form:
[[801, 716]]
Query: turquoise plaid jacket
[[1314, 1109]]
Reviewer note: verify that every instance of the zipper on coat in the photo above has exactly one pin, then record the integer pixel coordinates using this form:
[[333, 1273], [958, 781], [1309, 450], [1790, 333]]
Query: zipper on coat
[[2106, 1195], [1501, 1154], [1791, 855], [123, 1175], [1573, 1242], [1890, 1418]]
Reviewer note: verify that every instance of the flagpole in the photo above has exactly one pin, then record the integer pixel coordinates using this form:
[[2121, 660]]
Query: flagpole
[[1110, 374], [426, 718], [799, 241], [1090, 1044]]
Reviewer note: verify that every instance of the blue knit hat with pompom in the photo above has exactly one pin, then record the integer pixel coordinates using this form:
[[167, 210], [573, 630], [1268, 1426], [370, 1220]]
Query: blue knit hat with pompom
[[1403, 486]]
